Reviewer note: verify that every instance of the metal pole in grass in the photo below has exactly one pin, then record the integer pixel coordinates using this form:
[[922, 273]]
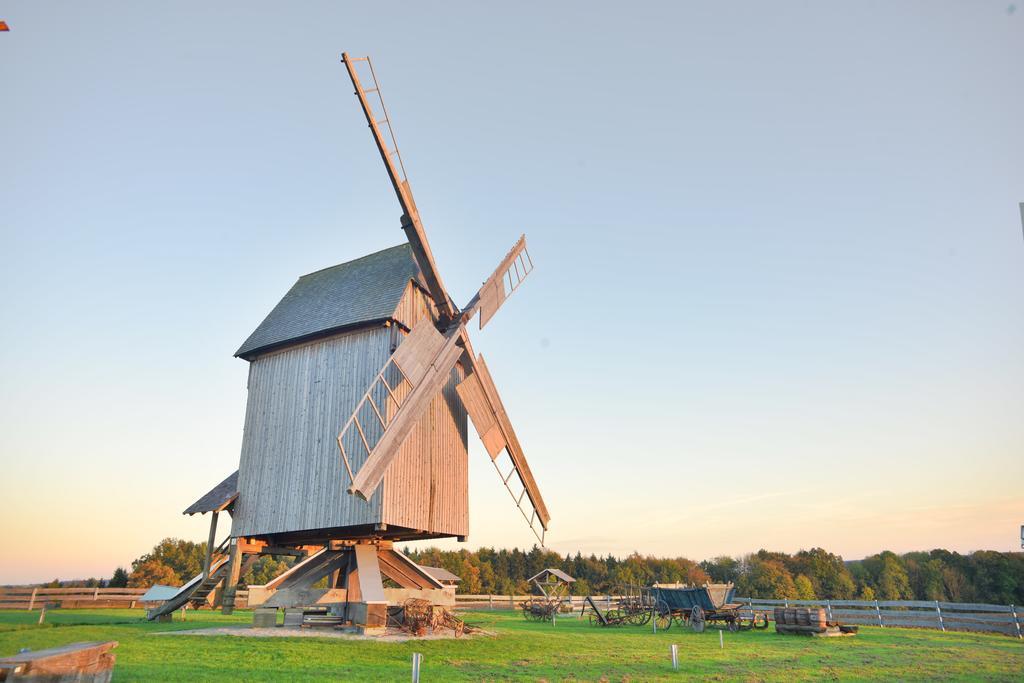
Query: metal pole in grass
[[417, 660], [42, 615], [721, 640], [674, 649]]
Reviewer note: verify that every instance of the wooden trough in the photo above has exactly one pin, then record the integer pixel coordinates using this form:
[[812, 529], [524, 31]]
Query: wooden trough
[[92, 662]]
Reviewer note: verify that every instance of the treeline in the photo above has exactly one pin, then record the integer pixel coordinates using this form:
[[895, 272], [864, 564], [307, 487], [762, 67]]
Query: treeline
[[982, 576], [172, 562]]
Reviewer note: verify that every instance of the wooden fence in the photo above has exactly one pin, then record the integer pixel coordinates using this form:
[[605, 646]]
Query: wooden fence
[[952, 616], [29, 598], [35, 598], [463, 601]]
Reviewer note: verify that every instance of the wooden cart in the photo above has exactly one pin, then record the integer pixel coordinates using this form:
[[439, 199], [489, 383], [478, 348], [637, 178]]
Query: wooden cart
[[710, 603]]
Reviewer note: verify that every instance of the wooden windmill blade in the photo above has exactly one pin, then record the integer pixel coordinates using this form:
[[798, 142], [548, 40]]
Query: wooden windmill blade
[[388, 148], [505, 279], [408, 382], [480, 396]]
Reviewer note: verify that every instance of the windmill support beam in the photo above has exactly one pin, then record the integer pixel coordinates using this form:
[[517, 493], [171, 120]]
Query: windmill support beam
[[231, 580], [209, 544], [356, 583]]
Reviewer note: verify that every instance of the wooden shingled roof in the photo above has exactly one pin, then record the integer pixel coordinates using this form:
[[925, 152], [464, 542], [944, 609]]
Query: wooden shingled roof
[[348, 295], [558, 573], [218, 498], [441, 574]]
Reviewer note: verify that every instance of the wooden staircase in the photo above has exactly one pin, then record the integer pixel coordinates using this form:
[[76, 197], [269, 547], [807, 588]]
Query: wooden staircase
[[201, 595], [196, 592]]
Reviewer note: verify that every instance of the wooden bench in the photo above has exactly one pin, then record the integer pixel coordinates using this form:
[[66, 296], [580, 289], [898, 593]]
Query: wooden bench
[[91, 662]]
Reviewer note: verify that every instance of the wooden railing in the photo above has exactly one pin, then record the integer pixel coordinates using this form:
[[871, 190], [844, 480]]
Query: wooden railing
[[30, 598], [35, 598], [496, 601], [958, 616], [952, 616]]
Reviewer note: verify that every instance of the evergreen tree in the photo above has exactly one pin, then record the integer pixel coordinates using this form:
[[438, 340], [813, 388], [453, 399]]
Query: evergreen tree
[[119, 579]]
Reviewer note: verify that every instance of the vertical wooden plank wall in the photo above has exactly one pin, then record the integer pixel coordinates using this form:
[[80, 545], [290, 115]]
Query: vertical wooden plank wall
[[291, 475]]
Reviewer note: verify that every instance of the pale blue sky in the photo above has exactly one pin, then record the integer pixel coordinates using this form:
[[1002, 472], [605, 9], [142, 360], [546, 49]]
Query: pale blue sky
[[778, 247]]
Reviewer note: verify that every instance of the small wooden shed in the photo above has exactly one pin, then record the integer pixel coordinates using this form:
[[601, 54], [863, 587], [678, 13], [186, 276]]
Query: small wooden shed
[[446, 578]]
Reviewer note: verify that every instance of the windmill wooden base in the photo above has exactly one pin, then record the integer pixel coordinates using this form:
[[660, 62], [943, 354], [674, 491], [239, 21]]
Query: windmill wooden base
[[356, 573]]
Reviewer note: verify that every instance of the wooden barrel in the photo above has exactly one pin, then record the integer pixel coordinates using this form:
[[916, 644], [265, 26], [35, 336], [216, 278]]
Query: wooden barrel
[[780, 615]]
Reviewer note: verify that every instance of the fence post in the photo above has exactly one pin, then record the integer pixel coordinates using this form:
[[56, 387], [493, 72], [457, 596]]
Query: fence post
[[32, 601], [96, 594], [879, 613], [490, 602], [511, 602], [787, 602], [1016, 621], [828, 608], [417, 660], [938, 611]]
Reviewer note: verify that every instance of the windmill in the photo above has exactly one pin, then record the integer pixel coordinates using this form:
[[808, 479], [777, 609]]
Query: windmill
[[361, 381]]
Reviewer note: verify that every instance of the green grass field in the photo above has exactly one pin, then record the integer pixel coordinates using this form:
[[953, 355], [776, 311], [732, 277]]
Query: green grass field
[[571, 650]]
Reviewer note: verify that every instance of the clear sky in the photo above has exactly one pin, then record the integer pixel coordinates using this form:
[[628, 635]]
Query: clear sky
[[779, 288]]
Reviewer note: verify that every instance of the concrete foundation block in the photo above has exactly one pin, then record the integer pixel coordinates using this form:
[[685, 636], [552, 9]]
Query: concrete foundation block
[[264, 617]]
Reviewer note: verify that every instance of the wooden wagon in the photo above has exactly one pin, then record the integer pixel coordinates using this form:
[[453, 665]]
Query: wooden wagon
[[699, 605]]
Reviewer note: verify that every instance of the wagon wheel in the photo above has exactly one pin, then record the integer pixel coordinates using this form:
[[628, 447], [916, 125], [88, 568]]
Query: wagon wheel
[[733, 624], [594, 619], [697, 619], [636, 617], [763, 623], [662, 615]]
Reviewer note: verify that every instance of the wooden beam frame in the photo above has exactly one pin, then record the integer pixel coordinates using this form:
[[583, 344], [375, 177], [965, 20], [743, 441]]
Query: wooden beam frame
[[209, 545]]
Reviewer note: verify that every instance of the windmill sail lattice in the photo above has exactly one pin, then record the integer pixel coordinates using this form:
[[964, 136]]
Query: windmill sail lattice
[[421, 366]]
